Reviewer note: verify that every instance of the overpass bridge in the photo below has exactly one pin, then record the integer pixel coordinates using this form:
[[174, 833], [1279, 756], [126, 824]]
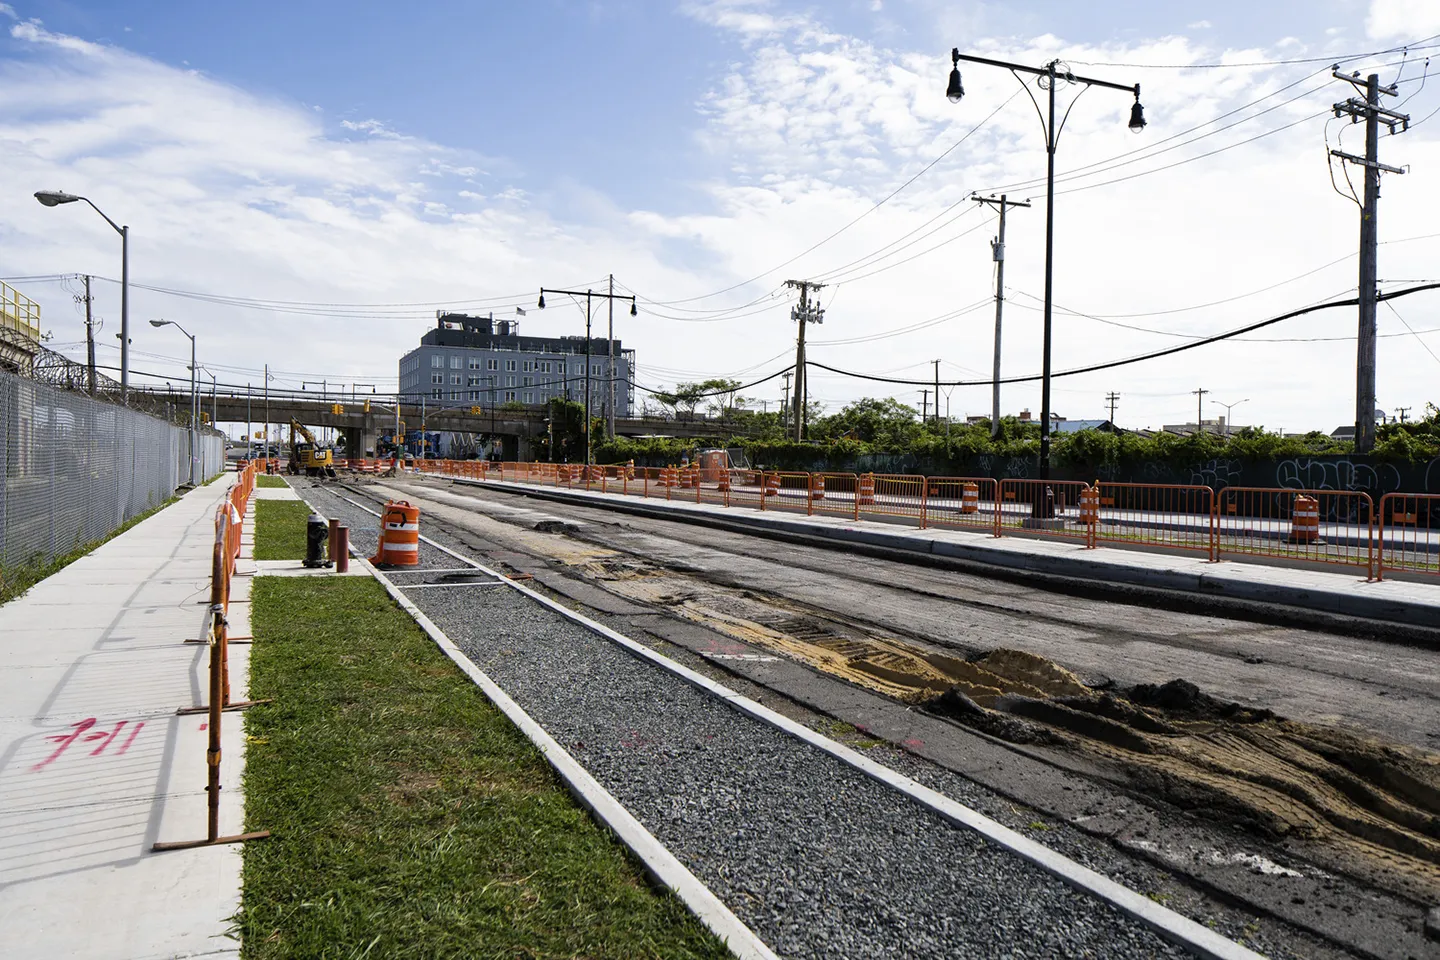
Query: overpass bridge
[[516, 430]]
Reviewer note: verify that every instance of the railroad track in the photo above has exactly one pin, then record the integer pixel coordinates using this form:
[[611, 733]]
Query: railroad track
[[822, 850]]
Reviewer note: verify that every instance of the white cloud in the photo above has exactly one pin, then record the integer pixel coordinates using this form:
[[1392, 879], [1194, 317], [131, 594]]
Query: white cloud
[[1402, 19], [1199, 25], [374, 128], [9, 11]]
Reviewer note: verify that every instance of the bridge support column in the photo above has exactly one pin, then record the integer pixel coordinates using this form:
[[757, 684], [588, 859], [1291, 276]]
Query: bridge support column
[[359, 442]]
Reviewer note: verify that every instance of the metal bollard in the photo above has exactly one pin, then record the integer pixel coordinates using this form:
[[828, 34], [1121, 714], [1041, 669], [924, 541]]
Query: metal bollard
[[315, 532], [330, 544], [342, 549]]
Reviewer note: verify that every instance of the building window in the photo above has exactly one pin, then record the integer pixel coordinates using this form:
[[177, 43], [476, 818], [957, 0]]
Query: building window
[[527, 382], [492, 364], [510, 365], [509, 381], [509, 396], [474, 363], [437, 361], [437, 378], [529, 398], [435, 394], [545, 366], [457, 363], [578, 369], [474, 394], [594, 369], [526, 365], [455, 379], [454, 394]]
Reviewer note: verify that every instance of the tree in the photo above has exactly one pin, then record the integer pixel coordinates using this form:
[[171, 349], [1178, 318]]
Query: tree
[[683, 399], [884, 423], [723, 400]]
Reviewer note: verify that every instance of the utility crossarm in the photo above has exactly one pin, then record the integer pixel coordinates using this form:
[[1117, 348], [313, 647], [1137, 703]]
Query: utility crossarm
[[1355, 81], [1041, 72], [1358, 109], [1361, 161]]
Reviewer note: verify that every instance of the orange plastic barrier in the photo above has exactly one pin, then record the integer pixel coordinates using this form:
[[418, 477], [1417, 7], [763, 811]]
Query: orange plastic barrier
[[1305, 520], [865, 496], [399, 535]]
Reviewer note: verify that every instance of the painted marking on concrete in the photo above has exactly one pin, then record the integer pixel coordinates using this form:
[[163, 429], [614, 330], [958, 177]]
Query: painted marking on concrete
[[83, 731]]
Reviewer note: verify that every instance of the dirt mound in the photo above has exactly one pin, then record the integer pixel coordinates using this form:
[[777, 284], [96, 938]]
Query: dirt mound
[[1181, 698]]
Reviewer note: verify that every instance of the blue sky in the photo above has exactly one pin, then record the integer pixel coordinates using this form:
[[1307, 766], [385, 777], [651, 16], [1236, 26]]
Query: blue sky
[[366, 154]]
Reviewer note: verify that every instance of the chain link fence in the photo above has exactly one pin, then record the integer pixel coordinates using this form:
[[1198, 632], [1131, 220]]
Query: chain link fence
[[77, 468]]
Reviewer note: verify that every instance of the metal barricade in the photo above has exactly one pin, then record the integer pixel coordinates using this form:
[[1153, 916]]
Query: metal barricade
[[1048, 508], [788, 491], [1409, 539], [835, 494], [1178, 517], [1334, 527], [963, 503], [746, 489]]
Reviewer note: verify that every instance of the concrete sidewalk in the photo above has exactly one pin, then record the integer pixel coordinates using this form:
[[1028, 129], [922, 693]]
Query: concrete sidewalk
[[1326, 590], [95, 766]]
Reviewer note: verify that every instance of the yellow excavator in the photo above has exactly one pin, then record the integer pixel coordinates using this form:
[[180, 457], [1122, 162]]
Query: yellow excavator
[[307, 456]]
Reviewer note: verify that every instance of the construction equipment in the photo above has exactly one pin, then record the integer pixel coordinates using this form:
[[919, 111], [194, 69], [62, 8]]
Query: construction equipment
[[306, 454]]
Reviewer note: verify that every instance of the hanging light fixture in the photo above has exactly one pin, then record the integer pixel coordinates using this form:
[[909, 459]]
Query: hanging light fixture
[[633, 311], [1137, 114], [956, 90], [542, 301]]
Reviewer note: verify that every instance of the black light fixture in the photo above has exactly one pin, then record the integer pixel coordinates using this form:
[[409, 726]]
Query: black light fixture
[[633, 311], [542, 301], [956, 89], [53, 198], [1137, 114]]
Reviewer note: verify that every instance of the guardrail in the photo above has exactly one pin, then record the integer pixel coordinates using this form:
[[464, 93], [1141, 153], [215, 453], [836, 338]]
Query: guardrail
[[229, 525], [1330, 527]]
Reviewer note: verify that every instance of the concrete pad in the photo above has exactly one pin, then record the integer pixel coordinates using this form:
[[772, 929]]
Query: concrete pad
[[274, 493], [294, 568], [95, 766]]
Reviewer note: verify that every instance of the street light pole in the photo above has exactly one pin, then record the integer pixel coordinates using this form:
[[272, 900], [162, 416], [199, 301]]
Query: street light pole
[[1228, 407], [589, 295], [194, 392], [1046, 77], [53, 198]]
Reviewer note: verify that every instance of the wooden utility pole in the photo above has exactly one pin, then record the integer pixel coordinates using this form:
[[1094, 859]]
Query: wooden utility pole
[[1373, 114], [1200, 409], [1111, 398], [997, 251], [803, 312], [89, 337], [937, 392], [925, 404]]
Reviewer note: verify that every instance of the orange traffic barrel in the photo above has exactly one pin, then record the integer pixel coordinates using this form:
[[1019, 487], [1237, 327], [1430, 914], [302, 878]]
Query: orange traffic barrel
[[817, 488], [1305, 520], [1090, 505], [866, 494], [970, 498], [629, 469], [399, 535], [771, 485], [722, 482]]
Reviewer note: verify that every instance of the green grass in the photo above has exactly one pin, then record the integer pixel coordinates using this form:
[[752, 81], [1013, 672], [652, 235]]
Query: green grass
[[15, 582], [265, 480], [410, 818], [280, 529]]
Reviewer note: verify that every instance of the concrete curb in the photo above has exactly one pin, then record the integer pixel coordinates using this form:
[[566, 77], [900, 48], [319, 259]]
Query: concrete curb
[[1178, 929], [1224, 583], [658, 861]]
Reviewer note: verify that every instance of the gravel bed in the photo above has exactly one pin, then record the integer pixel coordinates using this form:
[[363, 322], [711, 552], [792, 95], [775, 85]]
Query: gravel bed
[[820, 860]]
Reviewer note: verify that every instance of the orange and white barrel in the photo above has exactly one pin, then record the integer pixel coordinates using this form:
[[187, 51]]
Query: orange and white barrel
[[1305, 520], [399, 535], [722, 482], [771, 485], [629, 469], [865, 496], [1090, 506], [970, 498], [817, 488]]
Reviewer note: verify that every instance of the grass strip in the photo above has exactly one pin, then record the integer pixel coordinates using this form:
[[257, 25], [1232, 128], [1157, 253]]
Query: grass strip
[[280, 529], [266, 480], [14, 582], [410, 818]]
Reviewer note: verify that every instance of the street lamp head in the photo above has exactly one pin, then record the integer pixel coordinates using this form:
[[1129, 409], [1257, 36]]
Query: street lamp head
[[53, 198], [956, 90], [1137, 116], [633, 311], [160, 323], [542, 301]]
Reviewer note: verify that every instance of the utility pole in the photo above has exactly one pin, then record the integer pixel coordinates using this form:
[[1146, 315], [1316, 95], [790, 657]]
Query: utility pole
[[1373, 114], [804, 312], [89, 337], [610, 344], [997, 252], [1111, 398], [925, 404], [937, 393], [267, 412], [1200, 409], [1401, 411], [785, 408]]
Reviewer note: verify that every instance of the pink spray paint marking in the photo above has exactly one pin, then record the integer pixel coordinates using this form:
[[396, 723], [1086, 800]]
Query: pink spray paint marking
[[82, 731], [64, 739], [131, 739]]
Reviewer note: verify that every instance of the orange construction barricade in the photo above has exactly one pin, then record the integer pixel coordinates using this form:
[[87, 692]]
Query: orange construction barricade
[[1305, 520], [970, 498], [399, 535], [772, 485], [866, 494], [1090, 505], [817, 488]]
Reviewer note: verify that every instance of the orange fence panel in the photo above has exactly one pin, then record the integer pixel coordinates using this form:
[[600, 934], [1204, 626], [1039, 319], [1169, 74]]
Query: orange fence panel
[[746, 489], [1316, 526], [1178, 517], [1048, 508], [1409, 534], [965, 503], [835, 494], [784, 490]]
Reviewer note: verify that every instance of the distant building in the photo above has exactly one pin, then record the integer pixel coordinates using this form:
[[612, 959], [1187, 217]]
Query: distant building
[[1075, 426], [1206, 426], [480, 361]]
